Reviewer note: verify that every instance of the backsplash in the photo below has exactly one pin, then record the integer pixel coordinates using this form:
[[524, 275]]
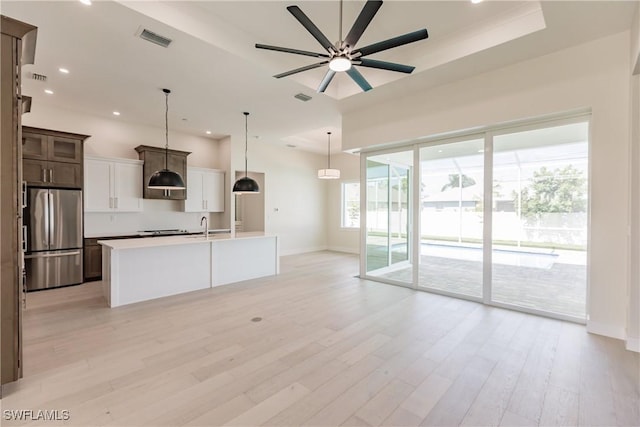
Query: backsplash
[[157, 215]]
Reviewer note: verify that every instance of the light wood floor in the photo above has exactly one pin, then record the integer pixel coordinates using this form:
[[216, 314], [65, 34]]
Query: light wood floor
[[330, 350]]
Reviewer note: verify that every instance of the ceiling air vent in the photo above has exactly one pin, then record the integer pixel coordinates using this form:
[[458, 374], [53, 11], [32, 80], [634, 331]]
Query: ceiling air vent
[[152, 37], [39, 77], [302, 97]]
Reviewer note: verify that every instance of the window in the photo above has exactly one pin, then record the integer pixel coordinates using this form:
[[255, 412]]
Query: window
[[522, 244], [351, 205]]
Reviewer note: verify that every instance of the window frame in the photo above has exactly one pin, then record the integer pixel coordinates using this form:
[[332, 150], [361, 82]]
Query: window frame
[[343, 203]]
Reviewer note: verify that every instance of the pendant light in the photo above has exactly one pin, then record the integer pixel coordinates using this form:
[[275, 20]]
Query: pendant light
[[166, 179], [246, 185], [329, 173]]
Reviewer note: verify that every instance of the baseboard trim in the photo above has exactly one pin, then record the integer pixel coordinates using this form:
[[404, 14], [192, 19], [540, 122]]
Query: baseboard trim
[[344, 249], [298, 251], [606, 330], [633, 344]]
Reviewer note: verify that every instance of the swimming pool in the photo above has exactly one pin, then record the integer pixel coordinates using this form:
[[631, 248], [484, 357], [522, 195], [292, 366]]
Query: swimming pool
[[520, 258]]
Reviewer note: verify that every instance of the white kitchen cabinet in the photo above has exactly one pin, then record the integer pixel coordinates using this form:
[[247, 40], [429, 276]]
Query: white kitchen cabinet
[[112, 185], [205, 190]]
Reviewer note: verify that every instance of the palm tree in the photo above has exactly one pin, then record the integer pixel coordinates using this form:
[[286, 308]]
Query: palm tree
[[454, 181]]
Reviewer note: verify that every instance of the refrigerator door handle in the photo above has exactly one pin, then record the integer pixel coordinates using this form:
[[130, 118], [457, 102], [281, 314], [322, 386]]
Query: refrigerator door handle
[[46, 255], [46, 209], [51, 218]]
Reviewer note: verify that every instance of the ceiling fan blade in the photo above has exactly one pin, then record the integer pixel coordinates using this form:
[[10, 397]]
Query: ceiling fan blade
[[301, 69], [289, 50], [383, 65], [326, 80], [311, 27], [362, 22], [359, 79], [391, 43]]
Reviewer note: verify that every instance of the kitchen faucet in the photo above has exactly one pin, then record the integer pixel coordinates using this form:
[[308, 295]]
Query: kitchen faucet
[[206, 226]]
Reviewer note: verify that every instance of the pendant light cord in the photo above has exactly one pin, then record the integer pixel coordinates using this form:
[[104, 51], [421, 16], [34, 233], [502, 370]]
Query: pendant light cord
[[329, 151], [246, 143], [166, 128]]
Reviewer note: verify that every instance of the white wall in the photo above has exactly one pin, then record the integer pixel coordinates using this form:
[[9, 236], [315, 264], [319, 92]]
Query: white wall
[[342, 239], [633, 314], [118, 138], [592, 76], [635, 41], [295, 199]]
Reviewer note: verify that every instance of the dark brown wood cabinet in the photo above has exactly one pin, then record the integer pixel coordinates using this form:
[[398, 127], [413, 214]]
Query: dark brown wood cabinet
[[154, 160], [52, 158], [17, 48], [39, 173], [92, 264]]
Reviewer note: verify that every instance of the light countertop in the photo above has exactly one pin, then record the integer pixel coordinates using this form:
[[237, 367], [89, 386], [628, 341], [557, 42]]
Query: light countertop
[[177, 240], [136, 234]]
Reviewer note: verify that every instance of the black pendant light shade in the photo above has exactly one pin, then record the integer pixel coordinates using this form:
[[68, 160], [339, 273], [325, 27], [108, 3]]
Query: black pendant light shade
[[166, 179], [246, 185]]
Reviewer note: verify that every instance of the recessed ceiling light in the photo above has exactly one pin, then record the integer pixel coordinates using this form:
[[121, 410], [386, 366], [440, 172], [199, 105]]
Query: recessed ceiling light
[[481, 151], [87, 2], [63, 70], [439, 151], [476, 1], [116, 113], [208, 132], [48, 91]]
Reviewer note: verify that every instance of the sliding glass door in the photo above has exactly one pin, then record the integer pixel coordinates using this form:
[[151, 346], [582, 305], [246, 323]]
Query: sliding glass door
[[451, 217], [540, 219], [500, 217], [388, 188]]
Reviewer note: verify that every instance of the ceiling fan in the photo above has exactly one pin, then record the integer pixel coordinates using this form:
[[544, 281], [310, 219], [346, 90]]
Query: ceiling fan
[[342, 56]]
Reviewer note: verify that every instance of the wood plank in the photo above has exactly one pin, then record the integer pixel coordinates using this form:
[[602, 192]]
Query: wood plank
[[197, 359], [269, 408]]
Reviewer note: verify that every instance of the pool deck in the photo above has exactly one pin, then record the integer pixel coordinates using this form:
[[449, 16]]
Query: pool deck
[[558, 286]]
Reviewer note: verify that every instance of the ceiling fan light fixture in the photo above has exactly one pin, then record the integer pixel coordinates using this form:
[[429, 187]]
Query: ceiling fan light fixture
[[340, 63]]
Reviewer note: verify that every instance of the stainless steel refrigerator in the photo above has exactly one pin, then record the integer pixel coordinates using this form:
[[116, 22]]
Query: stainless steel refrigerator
[[53, 220]]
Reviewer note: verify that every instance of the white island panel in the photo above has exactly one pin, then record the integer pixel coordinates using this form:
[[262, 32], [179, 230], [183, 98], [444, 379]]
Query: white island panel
[[234, 260], [135, 270], [153, 272]]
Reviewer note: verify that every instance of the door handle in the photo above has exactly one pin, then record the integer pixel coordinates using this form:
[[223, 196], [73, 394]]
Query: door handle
[[115, 203], [24, 238], [50, 175], [24, 290], [24, 194], [52, 220], [41, 255], [44, 175]]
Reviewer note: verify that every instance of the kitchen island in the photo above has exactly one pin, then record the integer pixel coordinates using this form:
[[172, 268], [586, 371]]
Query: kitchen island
[[135, 270]]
